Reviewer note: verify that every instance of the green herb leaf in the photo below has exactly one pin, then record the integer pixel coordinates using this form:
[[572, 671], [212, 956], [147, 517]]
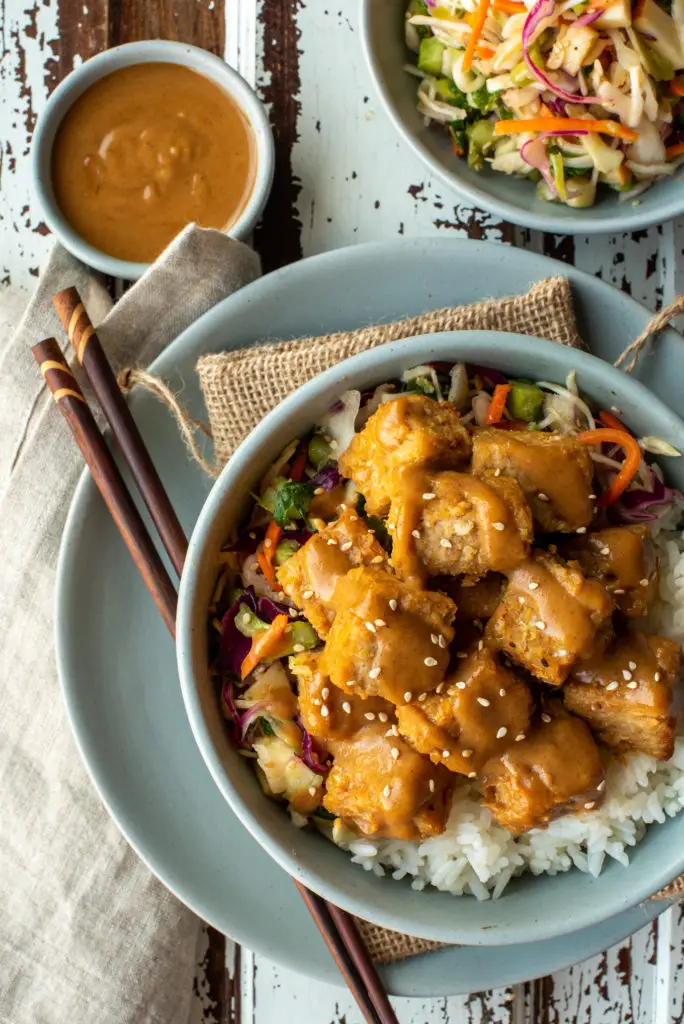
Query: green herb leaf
[[292, 500]]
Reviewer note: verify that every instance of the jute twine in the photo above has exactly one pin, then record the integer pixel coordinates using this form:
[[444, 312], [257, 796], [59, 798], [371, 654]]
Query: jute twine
[[242, 386]]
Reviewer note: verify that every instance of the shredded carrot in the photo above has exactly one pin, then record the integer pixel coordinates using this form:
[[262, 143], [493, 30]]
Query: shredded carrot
[[673, 151], [266, 555], [263, 644], [498, 403], [456, 148], [677, 87], [565, 124], [629, 466], [509, 6], [485, 52], [608, 420], [298, 466], [478, 25]]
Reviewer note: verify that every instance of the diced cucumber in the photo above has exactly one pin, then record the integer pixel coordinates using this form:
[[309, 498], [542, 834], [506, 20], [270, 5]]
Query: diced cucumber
[[558, 171], [525, 400], [480, 136], [521, 75], [248, 623], [448, 92], [430, 56], [301, 634], [319, 450], [286, 549]]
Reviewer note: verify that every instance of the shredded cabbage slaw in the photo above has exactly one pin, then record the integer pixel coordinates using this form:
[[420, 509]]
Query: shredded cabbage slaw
[[571, 94]]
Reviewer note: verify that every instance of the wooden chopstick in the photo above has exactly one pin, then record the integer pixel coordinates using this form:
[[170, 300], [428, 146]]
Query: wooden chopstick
[[110, 483], [92, 358], [335, 925]]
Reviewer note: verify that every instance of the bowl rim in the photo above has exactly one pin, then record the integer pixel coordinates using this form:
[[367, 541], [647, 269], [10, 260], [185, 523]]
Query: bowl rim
[[581, 223], [160, 51], [273, 425]]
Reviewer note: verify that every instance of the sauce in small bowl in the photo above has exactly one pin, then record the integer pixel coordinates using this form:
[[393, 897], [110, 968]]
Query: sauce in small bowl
[[141, 141]]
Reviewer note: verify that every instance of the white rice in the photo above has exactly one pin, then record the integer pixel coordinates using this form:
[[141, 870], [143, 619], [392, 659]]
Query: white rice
[[478, 857]]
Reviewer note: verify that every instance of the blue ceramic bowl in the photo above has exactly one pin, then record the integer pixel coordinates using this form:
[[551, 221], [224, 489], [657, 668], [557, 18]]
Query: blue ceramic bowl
[[531, 908], [513, 199]]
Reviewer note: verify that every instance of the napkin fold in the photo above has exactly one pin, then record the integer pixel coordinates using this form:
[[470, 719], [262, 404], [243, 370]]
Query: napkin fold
[[86, 932]]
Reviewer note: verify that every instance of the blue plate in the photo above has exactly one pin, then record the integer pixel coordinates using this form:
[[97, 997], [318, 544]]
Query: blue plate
[[119, 675]]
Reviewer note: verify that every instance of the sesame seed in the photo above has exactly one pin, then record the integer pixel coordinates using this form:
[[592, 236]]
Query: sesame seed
[[590, 803], [325, 711], [461, 654], [472, 775], [542, 496], [499, 526], [591, 497], [374, 673], [502, 692], [601, 786], [431, 785], [393, 604], [441, 640], [434, 638], [346, 707], [246, 617], [446, 753], [497, 472], [333, 444], [445, 543], [483, 701], [461, 685], [408, 696], [394, 730], [632, 665], [562, 653], [633, 685], [350, 683], [428, 496], [519, 737], [325, 692], [317, 702], [656, 676], [395, 753], [643, 583], [312, 791], [501, 732], [540, 624], [522, 600], [532, 586], [252, 534], [319, 490], [377, 559], [268, 542], [346, 546], [626, 674], [581, 529], [292, 612], [613, 686], [605, 551], [332, 543], [370, 627], [416, 534], [546, 718], [343, 506], [439, 688], [480, 645], [382, 716], [386, 791], [298, 648], [307, 594], [467, 753], [430, 662], [618, 591], [380, 622], [422, 697], [369, 716]]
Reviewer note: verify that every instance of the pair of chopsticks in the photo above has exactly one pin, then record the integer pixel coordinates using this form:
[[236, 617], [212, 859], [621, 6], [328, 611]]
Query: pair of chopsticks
[[336, 926]]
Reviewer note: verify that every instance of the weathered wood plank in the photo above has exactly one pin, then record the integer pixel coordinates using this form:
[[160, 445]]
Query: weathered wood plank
[[201, 22]]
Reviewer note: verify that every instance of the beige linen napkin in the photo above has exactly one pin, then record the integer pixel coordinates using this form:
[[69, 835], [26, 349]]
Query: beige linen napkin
[[86, 933]]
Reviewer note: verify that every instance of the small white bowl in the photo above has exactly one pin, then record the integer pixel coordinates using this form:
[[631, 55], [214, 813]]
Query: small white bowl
[[153, 51]]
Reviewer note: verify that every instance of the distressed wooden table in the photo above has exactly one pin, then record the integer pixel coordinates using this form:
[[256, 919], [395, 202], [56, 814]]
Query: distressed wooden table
[[342, 177]]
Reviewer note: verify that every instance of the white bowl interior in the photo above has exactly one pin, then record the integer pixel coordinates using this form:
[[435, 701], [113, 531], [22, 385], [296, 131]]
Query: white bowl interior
[[530, 909]]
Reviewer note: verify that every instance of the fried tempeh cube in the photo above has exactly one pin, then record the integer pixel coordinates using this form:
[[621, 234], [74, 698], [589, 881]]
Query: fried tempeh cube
[[556, 769], [386, 639], [310, 576], [554, 471], [379, 786], [344, 714], [411, 430], [626, 694], [623, 558], [478, 712], [456, 523], [550, 616]]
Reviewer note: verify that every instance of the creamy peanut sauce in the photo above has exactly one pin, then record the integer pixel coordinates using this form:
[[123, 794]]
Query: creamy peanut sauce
[[146, 151]]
